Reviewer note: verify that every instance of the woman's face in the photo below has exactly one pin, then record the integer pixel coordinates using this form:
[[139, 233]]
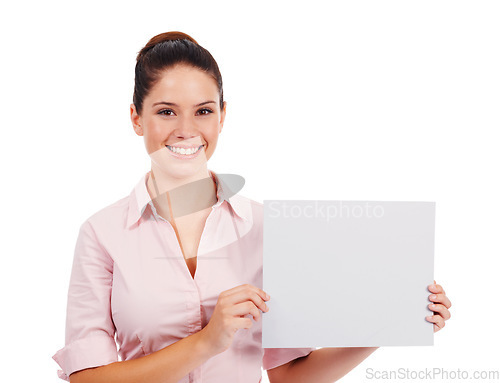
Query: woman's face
[[181, 109]]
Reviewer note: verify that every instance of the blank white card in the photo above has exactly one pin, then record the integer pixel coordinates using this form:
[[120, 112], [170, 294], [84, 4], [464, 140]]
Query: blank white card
[[347, 273]]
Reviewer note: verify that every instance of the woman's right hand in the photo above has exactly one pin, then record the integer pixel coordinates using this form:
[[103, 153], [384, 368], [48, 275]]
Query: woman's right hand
[[229, 315]]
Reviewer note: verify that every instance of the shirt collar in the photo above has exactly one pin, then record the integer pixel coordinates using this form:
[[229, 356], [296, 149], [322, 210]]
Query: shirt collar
[[139, 199]]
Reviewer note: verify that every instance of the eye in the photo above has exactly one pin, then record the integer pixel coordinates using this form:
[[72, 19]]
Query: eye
[[207, 110], [165, 111]]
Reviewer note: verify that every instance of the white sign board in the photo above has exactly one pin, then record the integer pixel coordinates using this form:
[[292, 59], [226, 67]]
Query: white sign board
[[347, 273]]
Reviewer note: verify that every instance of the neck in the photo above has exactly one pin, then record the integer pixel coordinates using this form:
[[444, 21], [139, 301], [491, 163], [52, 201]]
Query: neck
[[175, 197]]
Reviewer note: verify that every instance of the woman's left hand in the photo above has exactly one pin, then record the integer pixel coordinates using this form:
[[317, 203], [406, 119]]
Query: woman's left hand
[[440, 307]]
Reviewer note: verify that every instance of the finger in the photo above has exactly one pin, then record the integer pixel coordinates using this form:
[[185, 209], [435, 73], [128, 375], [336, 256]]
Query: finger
[[437, 320], [242, 322], [435, 288], [440, 298], [245, 308], [249, 287], [440, 309], [246, 294]]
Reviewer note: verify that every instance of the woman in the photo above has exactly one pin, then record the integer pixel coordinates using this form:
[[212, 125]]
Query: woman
[[171, 273]]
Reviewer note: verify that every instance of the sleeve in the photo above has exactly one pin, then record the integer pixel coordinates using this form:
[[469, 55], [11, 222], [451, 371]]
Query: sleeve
[[90, 329], [274, 357]]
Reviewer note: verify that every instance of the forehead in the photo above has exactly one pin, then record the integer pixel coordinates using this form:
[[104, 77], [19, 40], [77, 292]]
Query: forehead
[[184, 83]]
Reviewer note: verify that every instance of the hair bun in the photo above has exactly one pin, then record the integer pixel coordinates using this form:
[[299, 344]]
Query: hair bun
[[163, 37], [165, 51]]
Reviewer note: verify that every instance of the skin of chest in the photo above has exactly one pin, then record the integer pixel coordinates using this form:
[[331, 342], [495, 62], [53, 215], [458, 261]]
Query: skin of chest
[[189, 232]]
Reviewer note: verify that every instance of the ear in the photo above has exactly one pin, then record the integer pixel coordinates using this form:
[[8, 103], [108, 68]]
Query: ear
[[136, 120], [222, 116]]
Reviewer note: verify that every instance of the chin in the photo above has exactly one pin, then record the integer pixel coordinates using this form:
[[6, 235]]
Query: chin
[[183, 170]]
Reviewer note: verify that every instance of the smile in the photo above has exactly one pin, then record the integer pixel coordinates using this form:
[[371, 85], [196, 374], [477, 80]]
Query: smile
[[184, 153]]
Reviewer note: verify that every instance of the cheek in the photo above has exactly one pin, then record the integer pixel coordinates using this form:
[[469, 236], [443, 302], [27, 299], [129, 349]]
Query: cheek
[[152, 139], [211, 148], [213, 133], [156, 134], [212, 140]]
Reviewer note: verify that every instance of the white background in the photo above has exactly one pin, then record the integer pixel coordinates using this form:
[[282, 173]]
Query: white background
[[366, 100]]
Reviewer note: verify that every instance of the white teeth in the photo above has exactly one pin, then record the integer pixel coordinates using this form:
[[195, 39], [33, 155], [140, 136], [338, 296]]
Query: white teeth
[[183, 151]]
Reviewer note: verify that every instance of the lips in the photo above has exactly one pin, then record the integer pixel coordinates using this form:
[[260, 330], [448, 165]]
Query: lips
[[184, 156]]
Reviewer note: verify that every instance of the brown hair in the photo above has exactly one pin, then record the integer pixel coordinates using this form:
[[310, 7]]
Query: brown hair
[[164, 51]]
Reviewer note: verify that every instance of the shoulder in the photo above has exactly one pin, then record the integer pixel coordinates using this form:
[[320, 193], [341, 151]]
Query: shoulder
[[110, 217], [110, 211], [247, 206], [241, 198], [252, 212]]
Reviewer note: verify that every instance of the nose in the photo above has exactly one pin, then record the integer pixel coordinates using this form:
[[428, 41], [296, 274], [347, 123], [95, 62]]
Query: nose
[[186, 130]]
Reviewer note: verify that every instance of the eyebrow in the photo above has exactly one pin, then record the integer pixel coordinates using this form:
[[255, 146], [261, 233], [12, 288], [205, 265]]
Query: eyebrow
[[173, 104]]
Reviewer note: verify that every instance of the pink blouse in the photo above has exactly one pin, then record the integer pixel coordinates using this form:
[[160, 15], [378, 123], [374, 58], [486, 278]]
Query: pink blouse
[[130, 287]]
